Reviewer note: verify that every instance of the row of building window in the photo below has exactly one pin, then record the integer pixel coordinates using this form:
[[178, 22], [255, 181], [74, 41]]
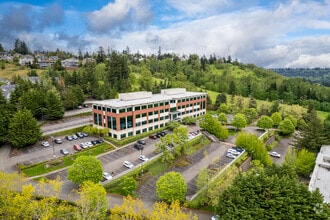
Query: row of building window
[[129, 109], [129, 134]]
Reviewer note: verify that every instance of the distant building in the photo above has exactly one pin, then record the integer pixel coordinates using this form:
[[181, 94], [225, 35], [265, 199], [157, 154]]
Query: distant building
[[26, 60], [71, 63], [138, 112], [7, 89], [321, 175]]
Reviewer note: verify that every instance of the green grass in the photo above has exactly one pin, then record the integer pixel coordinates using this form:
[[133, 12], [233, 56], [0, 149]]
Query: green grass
[[59, 163], [65, 132]]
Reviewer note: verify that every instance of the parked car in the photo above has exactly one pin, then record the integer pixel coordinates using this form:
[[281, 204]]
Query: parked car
[[159, 135], [239, 149], [143, 158], [143, 142], [233, 151], [58, 141], [64, 151], [83, 145], [45, 143], [275, 154], [80, 134], [76, 147], [89, 144], [153, 136], [215, 217], [128, 164], [138, 146], [85, 134], [107, 176], [69, 137], [97, 141], [230, 155], [75, 137]]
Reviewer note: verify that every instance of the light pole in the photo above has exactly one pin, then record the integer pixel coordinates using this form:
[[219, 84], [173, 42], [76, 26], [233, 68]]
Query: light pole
[[54, 155]]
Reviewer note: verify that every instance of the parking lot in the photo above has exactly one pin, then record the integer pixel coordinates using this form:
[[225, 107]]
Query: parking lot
[[42, 154]]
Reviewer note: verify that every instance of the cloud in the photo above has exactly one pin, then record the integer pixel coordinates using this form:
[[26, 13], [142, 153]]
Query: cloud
[[120, 16], [310, 61], [51, 15]]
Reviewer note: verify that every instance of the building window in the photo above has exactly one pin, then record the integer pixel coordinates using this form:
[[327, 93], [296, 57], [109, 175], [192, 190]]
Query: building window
[[156, 112], [144, 122], [156, 119], [108, 109], [114, 110], [113, 123], [144, 106], [150, 106], [162, 111], [129, 121], [144, 130], [138, 116], [144, 114], [161, 118], [94, 107], [98, 107], [150, 113], [130, 134], [150, 121], [138, 132], [129, 109], [114, 136], [161, 104], [103, 109], [172, 101], [151, 128], [122, 123], [161, 125], [156, 126], [137, 108], [166, 103], [122, 110], [166, 117], [138, 124], [122, 136]]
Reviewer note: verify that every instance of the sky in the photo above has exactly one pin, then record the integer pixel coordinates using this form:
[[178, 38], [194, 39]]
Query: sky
[[270, 34]]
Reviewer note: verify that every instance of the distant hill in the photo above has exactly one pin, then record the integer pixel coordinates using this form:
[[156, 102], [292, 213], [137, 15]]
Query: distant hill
[[315, 75]]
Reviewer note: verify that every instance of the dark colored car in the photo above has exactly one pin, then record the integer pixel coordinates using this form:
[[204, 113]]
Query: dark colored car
[[80, 134], [143, 142], [159, 135], [153, 136], [97, 141], [239, 149], [138, 146]]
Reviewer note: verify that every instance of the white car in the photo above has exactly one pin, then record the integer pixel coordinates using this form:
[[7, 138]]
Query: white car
[[128, 164], [230, 155], [83, 145], [107, 176], [89, 144], [45, 144], [275, 154], [233, 151], [143, 158]]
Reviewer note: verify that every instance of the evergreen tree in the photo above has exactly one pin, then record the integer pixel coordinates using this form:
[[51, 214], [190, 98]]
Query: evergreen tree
[[221, 99], [1, 48], [312, 136], [54, 106], [4, 119], [118, 72], [23, 129]]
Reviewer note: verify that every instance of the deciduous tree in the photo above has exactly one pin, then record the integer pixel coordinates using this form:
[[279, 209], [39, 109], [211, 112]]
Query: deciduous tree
[[239, 121], [286, 127], [85, 168], [265, 122], [171, 187], [277, 118]]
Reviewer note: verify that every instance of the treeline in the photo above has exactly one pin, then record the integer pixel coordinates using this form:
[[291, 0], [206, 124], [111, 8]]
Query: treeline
[[314, 75]]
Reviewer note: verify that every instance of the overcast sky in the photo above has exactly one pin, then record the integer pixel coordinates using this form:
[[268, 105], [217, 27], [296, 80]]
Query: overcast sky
[[270, 34]]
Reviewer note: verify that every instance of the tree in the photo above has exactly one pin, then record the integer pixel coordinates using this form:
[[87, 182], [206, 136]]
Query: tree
[[189, 120], [85, 168], [312, 136], [275, 107], [250, 114], [221, 99], [129, 185], [286, 127], [277, 118], [213, 126], [302, 161], [292, 119], [118, 72], [54, 105], [270, 194], [265, 122], [23, 129], [223, 118], [326, 125], [171, 187], [130, 209], [92, 202], [255, 147], [239, 121], [253, 103], [4, 119], [163, 211], [223, 108]]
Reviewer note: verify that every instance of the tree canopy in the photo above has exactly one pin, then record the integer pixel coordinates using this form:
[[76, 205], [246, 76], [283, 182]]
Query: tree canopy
[[272, 193], [171, 187], [85, 168]]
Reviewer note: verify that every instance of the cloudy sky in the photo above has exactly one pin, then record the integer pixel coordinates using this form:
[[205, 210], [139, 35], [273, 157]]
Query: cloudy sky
[[268, 33]]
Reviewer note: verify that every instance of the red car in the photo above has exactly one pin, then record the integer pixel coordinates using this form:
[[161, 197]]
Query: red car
[[153, 136], [77, 147]]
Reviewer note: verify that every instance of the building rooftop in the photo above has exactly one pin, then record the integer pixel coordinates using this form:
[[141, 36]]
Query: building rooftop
[[321, 175], [140, 98]]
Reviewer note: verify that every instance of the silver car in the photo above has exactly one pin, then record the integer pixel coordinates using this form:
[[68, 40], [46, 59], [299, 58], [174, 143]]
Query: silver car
[[128, 164]]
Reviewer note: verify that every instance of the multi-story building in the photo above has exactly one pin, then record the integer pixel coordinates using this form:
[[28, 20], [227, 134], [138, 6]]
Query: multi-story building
[[138, 112]]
